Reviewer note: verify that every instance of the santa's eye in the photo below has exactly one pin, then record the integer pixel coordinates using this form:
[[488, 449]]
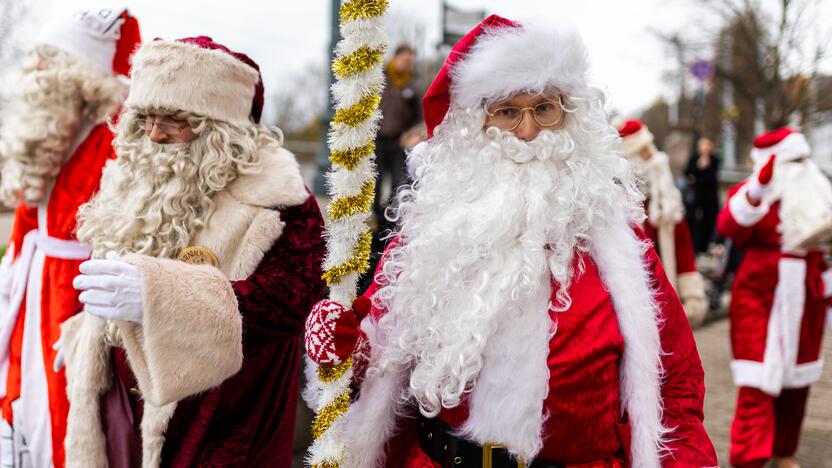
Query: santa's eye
[[507, 112], [545, 107]]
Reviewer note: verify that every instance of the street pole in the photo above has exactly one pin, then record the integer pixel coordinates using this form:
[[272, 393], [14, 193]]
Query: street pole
[[322, 160], [729, 131]]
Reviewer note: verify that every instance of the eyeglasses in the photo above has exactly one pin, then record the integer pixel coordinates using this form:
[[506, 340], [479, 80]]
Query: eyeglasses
[[168, 128], [547, 114]]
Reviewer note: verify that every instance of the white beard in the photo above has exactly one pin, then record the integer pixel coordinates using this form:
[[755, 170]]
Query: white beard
[[155, 197], [665, 201], [149, 202], [467, 289], [488, 223], [805, 196]]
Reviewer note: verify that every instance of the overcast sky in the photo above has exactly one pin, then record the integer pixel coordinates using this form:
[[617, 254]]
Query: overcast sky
[[285, 36]]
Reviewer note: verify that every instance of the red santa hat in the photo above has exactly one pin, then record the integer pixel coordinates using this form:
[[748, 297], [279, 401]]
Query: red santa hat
[[500, 57], [105, 37], [634, 136], [197, 75], [786, 143]]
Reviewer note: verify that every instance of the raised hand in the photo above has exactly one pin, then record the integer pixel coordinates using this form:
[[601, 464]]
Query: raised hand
[[761, 182]]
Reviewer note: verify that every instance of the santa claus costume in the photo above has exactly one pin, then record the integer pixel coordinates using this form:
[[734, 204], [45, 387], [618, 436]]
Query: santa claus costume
[[665, 225], [777, 306], [519, 317], [55, 144], [206, 261]]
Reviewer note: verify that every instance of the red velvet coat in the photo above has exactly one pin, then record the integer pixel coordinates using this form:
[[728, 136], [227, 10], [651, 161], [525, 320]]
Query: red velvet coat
[[249, 419], [585, 426]]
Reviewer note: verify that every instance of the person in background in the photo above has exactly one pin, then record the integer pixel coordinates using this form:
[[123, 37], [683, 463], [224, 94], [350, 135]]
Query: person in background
[[665, 225], [54, 144], [401, 111], [702, 174]]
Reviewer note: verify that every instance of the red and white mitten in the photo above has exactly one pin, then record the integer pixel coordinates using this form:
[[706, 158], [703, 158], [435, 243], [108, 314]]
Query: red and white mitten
[[759, 185], [332, 330]]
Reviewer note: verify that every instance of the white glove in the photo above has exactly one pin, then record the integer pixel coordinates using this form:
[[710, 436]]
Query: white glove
[[111, 289], [58, 363]]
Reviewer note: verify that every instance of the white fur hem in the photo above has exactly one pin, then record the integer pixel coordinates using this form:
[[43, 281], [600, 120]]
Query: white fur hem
[[752, 374]]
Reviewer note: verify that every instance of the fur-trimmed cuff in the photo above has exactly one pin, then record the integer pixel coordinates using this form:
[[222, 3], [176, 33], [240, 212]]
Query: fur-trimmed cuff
[[191, 338], [744, 213]]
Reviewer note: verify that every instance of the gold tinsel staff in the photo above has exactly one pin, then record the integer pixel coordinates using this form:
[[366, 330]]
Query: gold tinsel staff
[[357, 94]]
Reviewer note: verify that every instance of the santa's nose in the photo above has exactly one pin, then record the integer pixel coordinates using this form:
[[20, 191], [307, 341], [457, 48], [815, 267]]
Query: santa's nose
[[156, 135], [528, 128]]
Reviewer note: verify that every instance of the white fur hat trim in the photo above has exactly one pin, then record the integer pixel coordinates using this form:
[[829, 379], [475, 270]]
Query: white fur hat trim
[[180, 76]]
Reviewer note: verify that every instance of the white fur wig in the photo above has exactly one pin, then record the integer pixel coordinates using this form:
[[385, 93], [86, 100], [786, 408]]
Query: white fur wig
[[181, 76]]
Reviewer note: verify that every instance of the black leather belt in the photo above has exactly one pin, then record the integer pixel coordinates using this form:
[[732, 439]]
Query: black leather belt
[[441, 446]]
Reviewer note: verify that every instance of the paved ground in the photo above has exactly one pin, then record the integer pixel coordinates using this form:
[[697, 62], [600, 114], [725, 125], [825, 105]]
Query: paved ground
[[816, 444]]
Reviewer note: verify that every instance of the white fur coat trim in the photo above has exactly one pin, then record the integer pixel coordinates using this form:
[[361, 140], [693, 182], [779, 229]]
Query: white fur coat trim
[[619, 254], [179, 76], [278, 184]]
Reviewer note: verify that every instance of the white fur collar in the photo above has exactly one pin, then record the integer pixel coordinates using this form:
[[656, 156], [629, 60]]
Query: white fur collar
[[278, 184]]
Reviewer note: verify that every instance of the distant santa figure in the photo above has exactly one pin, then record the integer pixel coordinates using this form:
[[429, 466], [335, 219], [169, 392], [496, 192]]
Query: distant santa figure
[[778, 302], [665, 224]]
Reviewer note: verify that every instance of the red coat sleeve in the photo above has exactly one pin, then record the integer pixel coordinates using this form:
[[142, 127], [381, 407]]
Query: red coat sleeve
[[683, 387], [738, 220], [278, 296]]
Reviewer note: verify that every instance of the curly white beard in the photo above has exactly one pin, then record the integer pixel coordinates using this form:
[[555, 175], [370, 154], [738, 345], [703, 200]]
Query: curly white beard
[[154, 197], [488, 222], [55, 93]]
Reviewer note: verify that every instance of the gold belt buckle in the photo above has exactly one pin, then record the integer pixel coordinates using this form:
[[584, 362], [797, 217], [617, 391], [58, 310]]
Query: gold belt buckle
[[488, 455]]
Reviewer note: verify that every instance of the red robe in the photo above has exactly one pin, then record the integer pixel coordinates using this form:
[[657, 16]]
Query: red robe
[[31, 380], [757, 337], [250, 419], [586, 424]]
